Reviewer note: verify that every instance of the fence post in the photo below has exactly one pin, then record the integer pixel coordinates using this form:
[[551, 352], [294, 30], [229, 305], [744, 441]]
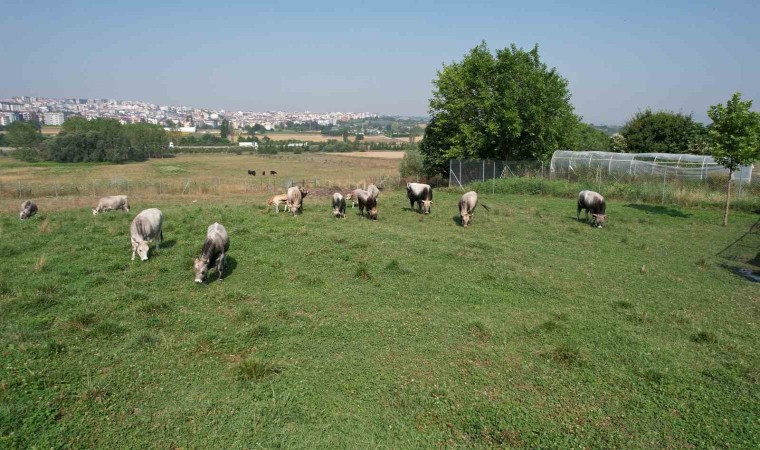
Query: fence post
[[664, 178], [542, 178], [449, 174], [493, 179], [484, 171]]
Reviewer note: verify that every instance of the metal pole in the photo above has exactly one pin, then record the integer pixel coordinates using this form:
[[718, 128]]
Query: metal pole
[[664, 178], [399, 182], [484, 170]]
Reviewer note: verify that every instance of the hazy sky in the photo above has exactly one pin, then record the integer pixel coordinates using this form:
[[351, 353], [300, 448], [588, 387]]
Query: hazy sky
[[619, 57]]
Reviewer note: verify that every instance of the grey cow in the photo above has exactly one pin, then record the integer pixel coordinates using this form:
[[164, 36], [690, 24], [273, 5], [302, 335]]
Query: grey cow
[[467, 204], [146, 227], [111, 203], [338, 205], [373, 191], [214, 252], [592, 202], [366, 200], [422, 194], [295, 199], [28, 209]]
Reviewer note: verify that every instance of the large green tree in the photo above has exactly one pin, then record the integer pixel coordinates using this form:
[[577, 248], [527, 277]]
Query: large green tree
[[734, 137], [224, 129], [588, 137], [661, 132], [22, 134], [502, 105]]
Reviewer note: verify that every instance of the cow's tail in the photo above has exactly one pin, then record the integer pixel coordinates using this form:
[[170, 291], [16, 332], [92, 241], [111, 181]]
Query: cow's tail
[[487, 208]]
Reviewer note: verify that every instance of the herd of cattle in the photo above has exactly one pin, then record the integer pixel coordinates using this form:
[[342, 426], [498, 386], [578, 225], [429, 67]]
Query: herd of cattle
[[146, 227]]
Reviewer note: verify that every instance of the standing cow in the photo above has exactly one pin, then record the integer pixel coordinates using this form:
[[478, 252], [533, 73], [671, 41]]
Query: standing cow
[[252, 172], [278, 200], [593, 202], [28, 209], [467, 204], [420, 193], [338, 205], [113, 202], [295, 199], [366, 200], [146, 227], [213, 254]]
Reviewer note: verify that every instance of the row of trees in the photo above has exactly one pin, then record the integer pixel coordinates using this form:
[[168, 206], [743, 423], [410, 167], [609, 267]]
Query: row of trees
[[96, 140], [509, 105]]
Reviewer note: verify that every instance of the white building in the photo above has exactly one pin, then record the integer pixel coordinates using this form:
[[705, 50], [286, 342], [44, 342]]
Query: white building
[[54, 118]]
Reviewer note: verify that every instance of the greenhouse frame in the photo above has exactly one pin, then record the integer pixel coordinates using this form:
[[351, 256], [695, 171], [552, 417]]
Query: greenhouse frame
[[663, 165]]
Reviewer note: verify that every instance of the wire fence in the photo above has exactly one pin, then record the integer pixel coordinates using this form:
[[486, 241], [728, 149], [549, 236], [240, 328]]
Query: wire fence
[[194, 186], [665, 179]]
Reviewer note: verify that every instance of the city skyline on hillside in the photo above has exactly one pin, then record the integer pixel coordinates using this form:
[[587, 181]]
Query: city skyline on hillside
[[619, 58]]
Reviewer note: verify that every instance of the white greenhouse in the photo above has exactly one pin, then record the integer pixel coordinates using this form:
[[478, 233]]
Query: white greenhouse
[[662, 165]]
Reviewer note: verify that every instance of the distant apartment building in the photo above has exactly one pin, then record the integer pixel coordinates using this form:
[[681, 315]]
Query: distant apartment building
[[10, 106], [54, 118]]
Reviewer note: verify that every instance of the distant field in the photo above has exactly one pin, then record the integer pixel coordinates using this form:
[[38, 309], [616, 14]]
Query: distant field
[[375, 155], [528, 329], [194, 175]]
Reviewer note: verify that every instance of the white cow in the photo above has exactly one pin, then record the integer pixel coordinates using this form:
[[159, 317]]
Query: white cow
[[111, 203], [146, 227]]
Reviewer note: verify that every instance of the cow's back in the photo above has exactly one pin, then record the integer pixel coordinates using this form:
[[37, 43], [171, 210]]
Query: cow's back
[[147, 224], [468, 202], [216, 231]]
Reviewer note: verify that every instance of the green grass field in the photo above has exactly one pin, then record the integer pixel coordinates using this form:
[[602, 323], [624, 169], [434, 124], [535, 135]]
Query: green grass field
[[527, 329]]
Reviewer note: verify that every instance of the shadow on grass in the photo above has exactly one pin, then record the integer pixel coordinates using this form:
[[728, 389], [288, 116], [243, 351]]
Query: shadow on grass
[[457, 220], [168, 244], [743, 272], [229, 266], [659, 209]]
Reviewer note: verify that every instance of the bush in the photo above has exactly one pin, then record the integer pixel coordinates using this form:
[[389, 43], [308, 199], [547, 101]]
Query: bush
[[411, 165]]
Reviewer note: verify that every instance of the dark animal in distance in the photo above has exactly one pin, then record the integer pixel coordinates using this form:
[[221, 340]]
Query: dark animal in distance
[[252, 172], [422, 194], [213, 254], [28, 209], [272, 172], [144, 228], [113, 202], [592, 202]]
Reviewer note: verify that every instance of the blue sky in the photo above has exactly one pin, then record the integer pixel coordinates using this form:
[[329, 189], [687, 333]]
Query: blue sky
[[376, 56]]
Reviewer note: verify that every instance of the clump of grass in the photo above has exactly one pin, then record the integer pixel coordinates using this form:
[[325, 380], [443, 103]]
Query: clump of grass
[[362, 272], [147, 340], [651, 375], [108, 329], [549, 326], [39, 265], [702, 262], [623, 304], [566, 356], [45, 226], [284, 314], [256, 369], [479, 329], [84, 320], [704, 337], [259, 331], [153, 308], [396, 267], [55, 348]]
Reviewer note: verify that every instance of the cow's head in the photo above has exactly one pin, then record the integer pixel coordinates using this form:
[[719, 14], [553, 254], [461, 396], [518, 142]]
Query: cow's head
[[426, 206], [466, 219], [295, 208], [304, 191], [201, 270], [95, 212], [142, 250], [599, 219], [337, 213], [372, 213]]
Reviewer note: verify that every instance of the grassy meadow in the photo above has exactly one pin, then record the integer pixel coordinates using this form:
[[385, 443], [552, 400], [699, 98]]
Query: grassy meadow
[[527, 329]]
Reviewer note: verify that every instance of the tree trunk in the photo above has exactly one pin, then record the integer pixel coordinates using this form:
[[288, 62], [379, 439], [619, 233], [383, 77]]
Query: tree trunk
[[728, 198]]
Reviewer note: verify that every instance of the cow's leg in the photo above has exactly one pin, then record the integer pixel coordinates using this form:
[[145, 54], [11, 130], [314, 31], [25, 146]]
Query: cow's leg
[[579, 211], [134, 249], [220, 266], [411, 203]]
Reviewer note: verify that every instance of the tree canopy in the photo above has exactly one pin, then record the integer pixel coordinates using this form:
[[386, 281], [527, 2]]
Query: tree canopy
[[734, 137], [661, 132], [507, 105]]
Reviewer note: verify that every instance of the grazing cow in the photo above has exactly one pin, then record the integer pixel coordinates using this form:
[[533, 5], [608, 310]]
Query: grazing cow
[[593, 202], [278, 200], [252, 172], [146, 227], [213, 254], [373, 191], [272, 172], [366, 200], [28, 209], [467, 204], [111, 203], [338, 205], [420, 193], [295, 199]]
